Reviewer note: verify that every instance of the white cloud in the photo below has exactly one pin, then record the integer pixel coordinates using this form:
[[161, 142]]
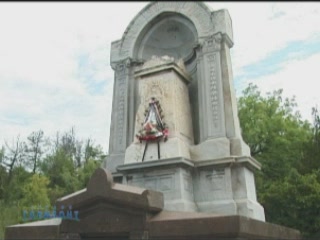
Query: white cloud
[[298, 78], [257, 33], [39, 74]]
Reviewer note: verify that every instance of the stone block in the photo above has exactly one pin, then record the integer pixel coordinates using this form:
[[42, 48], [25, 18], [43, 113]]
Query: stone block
[[210, 149], [113, 161], [173, 178], [223, 23], [239, 148], [173, 148]]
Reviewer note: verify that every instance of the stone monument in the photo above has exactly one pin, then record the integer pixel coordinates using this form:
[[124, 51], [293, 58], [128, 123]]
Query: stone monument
[[178, 167], [179, 53]]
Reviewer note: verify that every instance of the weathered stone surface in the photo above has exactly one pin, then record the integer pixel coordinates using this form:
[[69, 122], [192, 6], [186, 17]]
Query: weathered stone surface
[[172, 177], [168, 225], [197, 12], [165, 80], [47, 229], [101, 184]]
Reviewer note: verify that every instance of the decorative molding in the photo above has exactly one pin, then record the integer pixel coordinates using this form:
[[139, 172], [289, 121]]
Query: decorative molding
[[212, 43], [227, 40], [213, 91], [121, 69], [197, 12], [126, 62]]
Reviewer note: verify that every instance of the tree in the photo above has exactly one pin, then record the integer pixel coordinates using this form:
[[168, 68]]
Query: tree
[[3, 181], [87, 170], [295, 202], [13, 156], [93, 152], [71, 146], [3, 174], [13, 190], [311, 158], [288, 185], [68, 142], [70, 165], [59, 168], [34, 149], [32, 176], [1, 154], [35, 192], [275, 133]]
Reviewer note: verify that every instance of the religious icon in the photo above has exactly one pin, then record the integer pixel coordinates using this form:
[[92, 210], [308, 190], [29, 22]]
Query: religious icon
[[153, 128]]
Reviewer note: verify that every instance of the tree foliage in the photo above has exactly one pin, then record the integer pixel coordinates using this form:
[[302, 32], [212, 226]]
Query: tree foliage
[[294, 201], [311, 158], [35, 191], [34, 149], [41, 170], [12, 156], [288, 148]]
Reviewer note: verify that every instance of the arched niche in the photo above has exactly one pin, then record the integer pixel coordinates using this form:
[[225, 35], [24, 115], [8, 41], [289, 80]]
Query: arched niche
[[198, 13], [175, 35], [168, 34]]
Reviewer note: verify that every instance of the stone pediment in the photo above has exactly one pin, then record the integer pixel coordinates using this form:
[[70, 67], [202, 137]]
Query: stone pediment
[[102, 190], [105, 206]]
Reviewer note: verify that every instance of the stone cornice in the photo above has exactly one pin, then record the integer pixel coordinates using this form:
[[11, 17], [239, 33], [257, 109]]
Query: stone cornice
[[126, 62], [211, 43]]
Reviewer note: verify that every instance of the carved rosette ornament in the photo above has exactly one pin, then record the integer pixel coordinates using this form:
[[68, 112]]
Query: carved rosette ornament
[[153, 128]]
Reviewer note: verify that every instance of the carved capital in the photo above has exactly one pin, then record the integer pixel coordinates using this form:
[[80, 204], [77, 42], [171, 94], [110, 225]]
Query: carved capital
[[212, 43], [120, 65], [123, 64]]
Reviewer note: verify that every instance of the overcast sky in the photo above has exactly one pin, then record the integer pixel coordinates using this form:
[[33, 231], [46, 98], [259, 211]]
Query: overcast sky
[[55, 72]]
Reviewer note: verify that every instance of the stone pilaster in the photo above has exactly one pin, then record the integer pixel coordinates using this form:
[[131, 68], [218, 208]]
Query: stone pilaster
[[119, 116], [210, 87], [237, 146], [213, 140], [119, 109]]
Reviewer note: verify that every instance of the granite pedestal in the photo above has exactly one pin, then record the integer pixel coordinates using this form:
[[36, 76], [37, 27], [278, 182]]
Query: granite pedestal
[[109, 210]]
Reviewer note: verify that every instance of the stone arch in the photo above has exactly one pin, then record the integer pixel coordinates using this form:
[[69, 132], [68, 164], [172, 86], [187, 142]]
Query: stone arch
[[198, 13], [169, 34]]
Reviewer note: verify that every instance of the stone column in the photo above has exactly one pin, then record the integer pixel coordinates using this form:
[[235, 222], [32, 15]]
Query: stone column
[[218, 116], [213, 140], [237, 146], [119, 115], [210, 90]]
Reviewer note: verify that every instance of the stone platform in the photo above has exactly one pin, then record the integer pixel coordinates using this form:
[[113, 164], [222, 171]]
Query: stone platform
[[224, 186], [109, 210]]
